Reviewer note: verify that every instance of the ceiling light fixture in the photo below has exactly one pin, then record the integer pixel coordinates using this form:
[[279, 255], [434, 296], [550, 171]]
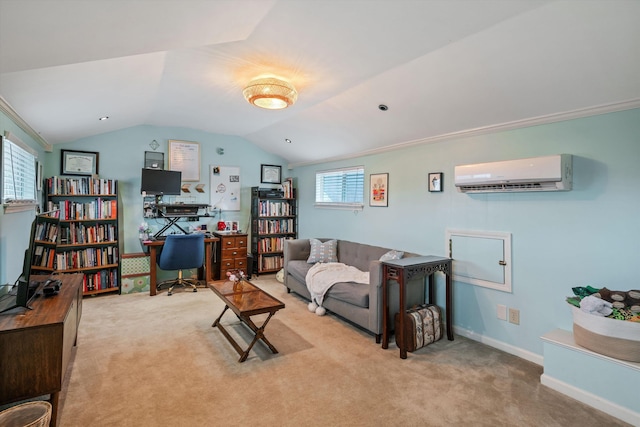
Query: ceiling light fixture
[[103, 118], [271, 93]]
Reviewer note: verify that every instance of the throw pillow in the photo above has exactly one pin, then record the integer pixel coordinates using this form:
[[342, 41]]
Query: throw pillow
[[392, 255], [323, 252]]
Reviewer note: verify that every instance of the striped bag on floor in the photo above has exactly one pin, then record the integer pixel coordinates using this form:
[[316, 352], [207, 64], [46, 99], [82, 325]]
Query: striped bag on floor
[[422, 326]]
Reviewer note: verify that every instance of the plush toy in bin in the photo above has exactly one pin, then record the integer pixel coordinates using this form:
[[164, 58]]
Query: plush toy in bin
[[622, 305], [596, 321]]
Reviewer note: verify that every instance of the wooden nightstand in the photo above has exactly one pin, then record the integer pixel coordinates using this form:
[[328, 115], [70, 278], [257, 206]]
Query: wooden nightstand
[[231, 254]]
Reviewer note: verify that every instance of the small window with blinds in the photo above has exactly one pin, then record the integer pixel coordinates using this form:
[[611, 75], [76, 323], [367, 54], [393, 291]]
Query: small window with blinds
[[18, 174], [340, 188]]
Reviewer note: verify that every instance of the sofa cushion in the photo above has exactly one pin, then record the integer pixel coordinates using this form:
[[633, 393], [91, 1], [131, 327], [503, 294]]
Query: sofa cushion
[[358, 255], [298, 269], [323, 252], [354, 293]]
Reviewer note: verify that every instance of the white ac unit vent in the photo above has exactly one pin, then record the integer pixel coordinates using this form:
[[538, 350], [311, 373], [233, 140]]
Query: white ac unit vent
[[549, 173]]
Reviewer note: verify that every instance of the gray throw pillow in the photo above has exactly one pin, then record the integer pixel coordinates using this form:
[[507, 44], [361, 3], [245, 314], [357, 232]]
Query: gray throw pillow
[[323, 252], [392, 255]]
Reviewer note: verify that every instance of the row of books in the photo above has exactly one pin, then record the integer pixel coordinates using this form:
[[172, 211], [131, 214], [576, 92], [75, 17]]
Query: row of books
[[44, 256], [287, 188], [86, 258], [103, 279], [46, 232], [275, 208], [270, 262], [271, 244], [275, 226], [82, 234], [78, 186], [96, 209]]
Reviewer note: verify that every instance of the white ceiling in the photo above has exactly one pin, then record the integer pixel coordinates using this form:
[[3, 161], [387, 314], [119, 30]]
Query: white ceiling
[[442, 66]]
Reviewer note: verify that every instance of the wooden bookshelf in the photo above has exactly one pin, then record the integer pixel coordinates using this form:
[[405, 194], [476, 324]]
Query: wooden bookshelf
[[88, 239]]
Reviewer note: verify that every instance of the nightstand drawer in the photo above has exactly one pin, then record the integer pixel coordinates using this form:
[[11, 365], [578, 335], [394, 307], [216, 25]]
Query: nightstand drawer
[[230, 253]]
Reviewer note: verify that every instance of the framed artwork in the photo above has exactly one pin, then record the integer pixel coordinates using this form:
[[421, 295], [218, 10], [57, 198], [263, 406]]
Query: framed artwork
[[435, 182], [184, 156], [78, 162], [379, 189], [270, 174], [153, 160]]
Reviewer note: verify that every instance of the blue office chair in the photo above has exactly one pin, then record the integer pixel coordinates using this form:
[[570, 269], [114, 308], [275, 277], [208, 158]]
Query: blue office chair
[[181, 252]]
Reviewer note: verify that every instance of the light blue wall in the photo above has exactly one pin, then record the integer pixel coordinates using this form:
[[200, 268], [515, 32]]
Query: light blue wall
[[122, 158], [590, 235], [15, 227]]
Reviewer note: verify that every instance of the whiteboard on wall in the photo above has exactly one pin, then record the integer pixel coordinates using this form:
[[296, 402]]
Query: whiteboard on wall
[[225, 187]]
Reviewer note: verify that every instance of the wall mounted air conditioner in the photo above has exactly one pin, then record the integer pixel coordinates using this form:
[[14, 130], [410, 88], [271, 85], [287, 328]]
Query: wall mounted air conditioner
[[549, 173]]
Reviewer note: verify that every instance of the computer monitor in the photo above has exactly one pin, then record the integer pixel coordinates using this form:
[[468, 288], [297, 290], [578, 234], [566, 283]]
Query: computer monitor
[[159, 182]]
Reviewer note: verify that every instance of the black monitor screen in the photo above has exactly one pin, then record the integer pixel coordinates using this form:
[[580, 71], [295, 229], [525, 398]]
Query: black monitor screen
[[158, 182]]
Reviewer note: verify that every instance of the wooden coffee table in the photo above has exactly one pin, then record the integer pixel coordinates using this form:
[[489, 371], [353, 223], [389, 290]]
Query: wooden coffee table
[[246, 300]]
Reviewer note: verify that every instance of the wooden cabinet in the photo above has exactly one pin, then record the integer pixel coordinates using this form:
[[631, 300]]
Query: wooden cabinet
[[36, 345], [231, 254], [273, 220], [89, 235]]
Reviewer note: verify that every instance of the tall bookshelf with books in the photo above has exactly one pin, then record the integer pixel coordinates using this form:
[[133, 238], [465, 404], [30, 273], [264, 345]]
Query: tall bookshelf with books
[[89, 235], [273, 220]]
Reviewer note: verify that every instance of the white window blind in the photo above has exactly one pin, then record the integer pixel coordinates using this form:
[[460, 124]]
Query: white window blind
[[340, 188], [18, 173]]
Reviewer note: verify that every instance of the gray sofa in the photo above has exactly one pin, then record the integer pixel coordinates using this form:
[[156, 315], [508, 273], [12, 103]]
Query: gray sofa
[[357, 303]]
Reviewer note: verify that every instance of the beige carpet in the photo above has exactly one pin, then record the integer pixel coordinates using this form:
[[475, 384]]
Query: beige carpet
[[156, 361]]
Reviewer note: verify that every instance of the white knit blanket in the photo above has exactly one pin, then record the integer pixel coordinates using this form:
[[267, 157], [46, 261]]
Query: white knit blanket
[[322, 276]]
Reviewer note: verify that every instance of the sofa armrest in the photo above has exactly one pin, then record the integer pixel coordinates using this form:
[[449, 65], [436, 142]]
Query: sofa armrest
[[296, 249], [375, 297]]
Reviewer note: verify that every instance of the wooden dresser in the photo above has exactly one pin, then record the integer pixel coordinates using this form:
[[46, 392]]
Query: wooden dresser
[[231, 254], [35, 345]]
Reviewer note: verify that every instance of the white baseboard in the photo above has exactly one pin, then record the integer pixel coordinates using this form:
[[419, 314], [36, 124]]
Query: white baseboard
[[613, 409], [508, 348]]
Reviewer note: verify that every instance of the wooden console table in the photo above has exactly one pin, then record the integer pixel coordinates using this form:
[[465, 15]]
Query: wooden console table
[[403, 270], [35, 345]]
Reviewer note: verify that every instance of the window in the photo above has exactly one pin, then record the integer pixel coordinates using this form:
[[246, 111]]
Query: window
[[18, 174], [340, 188]]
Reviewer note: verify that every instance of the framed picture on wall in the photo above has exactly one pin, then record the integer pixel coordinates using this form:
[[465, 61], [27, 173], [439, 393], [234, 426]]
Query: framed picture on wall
[[184, 156], [270, 174], [379, 189], [435, 182], [78, 162]]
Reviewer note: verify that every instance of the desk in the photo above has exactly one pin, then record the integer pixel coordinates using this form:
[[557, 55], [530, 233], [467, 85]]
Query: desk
[[35, 345], [403, 270], [209, 249]]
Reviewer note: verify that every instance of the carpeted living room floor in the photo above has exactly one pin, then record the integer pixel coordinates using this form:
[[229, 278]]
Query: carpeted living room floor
[[156, 361]]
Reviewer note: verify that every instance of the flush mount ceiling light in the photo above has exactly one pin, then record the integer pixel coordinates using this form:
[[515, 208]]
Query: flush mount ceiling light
[[271, 93]]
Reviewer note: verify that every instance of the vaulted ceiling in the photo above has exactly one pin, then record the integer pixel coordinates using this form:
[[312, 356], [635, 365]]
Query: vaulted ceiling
[[443, 67]]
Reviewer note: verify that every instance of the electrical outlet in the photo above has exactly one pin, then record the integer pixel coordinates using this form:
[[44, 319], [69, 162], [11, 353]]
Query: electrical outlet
[[514, 316], [502, 312]]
